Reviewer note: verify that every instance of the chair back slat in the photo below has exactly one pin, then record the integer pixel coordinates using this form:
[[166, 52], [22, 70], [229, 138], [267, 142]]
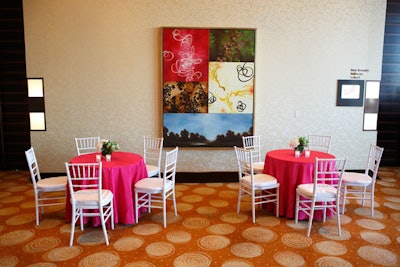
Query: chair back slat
[[85, 145], [83, 177], [171, 159]]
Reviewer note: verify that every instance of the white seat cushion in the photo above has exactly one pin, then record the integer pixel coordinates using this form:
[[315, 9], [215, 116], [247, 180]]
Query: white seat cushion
[[258, 167], [261, 180], [53, 184], [151, 170], [152, 184], [323, 190], [356, 178], [90, 197]]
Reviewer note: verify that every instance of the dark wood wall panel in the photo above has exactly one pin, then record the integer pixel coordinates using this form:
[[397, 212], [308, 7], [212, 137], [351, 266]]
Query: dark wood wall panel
[[389, 101], [14, 118]]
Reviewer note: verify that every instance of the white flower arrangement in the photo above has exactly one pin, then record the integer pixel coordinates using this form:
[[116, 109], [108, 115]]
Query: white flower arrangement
[[108, 147]]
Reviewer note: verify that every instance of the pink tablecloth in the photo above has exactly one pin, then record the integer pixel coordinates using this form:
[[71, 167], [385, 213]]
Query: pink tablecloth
[[290, 172], [120, 176]]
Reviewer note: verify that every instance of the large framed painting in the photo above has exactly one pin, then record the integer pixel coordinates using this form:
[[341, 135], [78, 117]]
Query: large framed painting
[[207, 86]]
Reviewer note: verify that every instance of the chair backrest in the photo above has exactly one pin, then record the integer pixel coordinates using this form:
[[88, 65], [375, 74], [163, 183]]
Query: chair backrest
[[329, 171], [85, 145], [374, 159], [319, 142], [152, 150], [171, 159], [84, 176], [33, 166], [245, 162], [253, 143]]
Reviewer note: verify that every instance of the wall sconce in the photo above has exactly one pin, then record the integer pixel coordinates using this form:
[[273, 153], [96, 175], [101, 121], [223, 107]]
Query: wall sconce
[[36, 104], [371, 105]]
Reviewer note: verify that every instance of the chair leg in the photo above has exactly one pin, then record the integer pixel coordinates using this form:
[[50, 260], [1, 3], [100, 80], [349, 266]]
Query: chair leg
[[103, 225], [277, 202], [164, 211], [136, 208], [372, 201], [73, 220], [310, 219], [297, 208], [338, 217], [174, 201], [344, 197], [239, 200]]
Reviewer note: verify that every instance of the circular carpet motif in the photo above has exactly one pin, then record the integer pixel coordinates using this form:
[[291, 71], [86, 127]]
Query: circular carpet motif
[[21, 219], [228, 194], [300, 225], [100, 259], [332, 261], [179, 237], [193, 259], [92, 238], [181, 187], [385, 183], [219, 203], [62, 253], [392, 199], [370, 224], [392, 205], [395, 216], [378, 255], [366, 212], [128, 243], [5, 194], [205, 191], [213, 242], [268, 221], [8, 260], [390, 191], [237, 263], [215, 184], [16, 237], [247, 250], [375, 238], [331, 248], [140, 264], [41, 244], [192, 198], [207, 210], [49, 223], [170, 217], [12, 199], [259, 234], [331, 232], [160, 249], [147, 229], [183, 207], [296, 240], [9, 211], [289, 259], [234, 217], [196, 222], [42, 264], [221, 229], [18, 188]]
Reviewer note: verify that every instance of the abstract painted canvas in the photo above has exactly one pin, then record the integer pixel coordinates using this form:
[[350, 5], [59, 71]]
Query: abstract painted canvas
[[207, 86]]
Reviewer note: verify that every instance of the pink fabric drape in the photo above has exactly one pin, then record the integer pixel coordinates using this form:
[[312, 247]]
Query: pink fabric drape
[[119, 176], [290, 172]]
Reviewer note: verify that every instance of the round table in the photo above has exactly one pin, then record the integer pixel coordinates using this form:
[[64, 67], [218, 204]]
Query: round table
[[290, 172], [119, 176]]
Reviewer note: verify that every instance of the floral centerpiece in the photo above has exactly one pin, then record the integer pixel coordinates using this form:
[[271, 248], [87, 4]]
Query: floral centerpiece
[[108, 147], [299, 143]]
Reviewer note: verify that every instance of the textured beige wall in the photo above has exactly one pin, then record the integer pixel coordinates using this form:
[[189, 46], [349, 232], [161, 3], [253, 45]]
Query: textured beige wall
[[100, 61]]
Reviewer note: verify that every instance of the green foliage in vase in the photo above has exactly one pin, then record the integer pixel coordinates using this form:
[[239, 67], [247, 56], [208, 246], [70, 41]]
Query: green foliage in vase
[[109, 147]]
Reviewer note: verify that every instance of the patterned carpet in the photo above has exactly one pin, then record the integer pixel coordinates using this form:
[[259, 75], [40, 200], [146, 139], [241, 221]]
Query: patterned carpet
[[206, 232]]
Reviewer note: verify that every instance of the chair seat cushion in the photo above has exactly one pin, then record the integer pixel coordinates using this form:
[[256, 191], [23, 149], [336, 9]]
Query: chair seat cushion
[[323, 190], [151, 170], [90, 197], [53, 184], [356, 178], [261, 180], [152, 184], [258, 167]]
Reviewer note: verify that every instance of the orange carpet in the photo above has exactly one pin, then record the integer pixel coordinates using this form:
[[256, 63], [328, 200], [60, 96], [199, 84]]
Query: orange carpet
[[206, 232]]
